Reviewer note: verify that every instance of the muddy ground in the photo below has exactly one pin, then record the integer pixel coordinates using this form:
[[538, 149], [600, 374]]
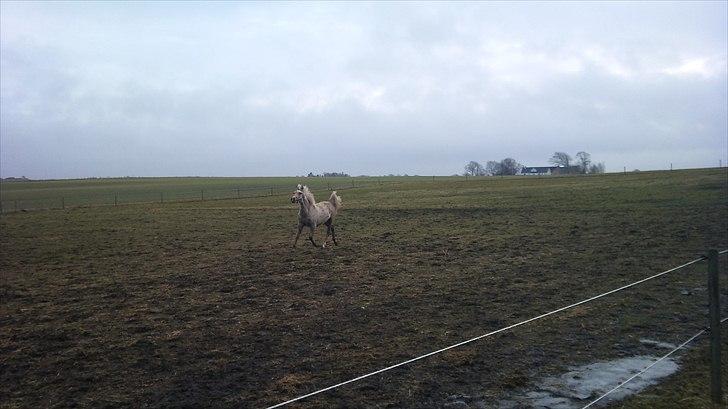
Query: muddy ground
[[207, 305]]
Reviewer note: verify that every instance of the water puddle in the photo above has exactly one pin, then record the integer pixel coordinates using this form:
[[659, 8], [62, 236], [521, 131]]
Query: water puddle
[[581, 385]]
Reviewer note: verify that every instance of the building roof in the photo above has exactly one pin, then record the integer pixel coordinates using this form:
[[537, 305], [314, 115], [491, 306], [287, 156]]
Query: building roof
[[538, 169]]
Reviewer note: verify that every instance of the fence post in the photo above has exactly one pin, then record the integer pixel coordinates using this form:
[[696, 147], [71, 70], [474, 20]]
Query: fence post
[[202, 194], [714, 306], [271, 191], [116, 199]]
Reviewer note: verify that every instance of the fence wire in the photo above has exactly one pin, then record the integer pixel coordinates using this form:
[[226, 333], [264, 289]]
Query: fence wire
[[596, 297]]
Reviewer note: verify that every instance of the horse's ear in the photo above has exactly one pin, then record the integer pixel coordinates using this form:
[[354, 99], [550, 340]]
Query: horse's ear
[[299, 187]]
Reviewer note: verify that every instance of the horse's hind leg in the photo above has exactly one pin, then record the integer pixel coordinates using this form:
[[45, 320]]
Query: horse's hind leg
[[300, 227], [310, 236], [333, 233], [328, 231]]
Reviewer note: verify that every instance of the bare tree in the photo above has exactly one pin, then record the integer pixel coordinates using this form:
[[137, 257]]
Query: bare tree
[[584, 159], [509, 166], [474, 169], [597, 168], [493, 168], [561, 159]]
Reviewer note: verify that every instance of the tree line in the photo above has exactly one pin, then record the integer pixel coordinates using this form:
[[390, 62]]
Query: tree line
[[509, 166], [582, 164]]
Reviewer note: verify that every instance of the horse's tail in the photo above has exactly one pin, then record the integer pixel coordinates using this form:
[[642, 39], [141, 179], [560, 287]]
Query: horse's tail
[[335, 200]]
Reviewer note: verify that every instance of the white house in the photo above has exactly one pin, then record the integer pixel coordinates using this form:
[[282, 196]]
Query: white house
[[538, 170]]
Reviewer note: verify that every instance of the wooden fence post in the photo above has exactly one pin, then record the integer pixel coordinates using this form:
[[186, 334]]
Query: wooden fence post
[[116, 199], [271, 191], [714, 306]]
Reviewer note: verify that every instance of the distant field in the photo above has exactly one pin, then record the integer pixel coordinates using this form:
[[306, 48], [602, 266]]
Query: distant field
[[205, 304], [56, 194]]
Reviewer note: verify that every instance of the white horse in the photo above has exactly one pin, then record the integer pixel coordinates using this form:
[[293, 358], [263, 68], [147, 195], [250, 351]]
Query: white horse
[[312, 214]]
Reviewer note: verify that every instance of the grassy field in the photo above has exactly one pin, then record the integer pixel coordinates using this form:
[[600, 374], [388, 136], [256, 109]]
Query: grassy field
[[59, 194], [196, 304]]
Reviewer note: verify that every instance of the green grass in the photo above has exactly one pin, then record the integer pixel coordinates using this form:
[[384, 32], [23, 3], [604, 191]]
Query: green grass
[[56, 194], [206, 303]]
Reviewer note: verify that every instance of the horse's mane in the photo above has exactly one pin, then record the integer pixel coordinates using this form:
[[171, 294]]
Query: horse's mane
[[308, 195]]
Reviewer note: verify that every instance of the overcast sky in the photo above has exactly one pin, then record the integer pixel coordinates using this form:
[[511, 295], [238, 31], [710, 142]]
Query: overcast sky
[[255, 89]]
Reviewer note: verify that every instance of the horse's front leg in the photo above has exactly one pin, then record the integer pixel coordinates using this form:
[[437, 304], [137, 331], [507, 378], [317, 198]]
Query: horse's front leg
[[300, 227], [310, 235]]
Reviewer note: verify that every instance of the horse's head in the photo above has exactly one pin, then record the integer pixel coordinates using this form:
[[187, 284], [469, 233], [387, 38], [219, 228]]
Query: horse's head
[[297, 196]]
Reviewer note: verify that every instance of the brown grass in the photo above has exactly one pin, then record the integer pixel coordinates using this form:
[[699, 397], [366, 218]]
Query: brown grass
[[206, 304]]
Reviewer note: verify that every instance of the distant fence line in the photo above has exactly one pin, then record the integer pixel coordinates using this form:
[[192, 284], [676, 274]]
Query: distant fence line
[[246, 192], [139, 197]]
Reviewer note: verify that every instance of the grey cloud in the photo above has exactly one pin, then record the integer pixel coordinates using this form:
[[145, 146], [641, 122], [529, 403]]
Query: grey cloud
[[237, 89]]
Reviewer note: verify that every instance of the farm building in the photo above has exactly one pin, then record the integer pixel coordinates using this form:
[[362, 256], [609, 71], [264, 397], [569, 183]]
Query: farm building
[[538, 170], [547, 170]]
